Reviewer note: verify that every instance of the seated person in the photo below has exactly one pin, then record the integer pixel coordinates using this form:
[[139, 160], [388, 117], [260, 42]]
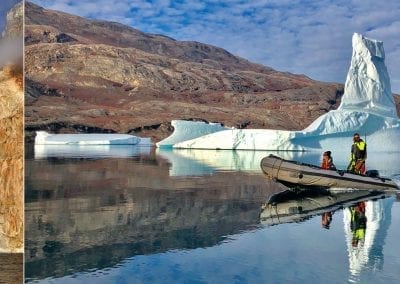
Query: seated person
[[327, 161]]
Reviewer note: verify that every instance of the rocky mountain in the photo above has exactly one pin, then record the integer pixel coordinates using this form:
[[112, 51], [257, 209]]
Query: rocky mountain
[[95, 76]]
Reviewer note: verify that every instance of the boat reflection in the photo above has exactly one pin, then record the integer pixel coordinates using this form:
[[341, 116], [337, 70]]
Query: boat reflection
[[93, 215], [289, 206], [366, 218]]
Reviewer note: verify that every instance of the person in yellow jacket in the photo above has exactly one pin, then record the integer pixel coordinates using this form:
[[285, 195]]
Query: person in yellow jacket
[[358, 224], [358, 155]]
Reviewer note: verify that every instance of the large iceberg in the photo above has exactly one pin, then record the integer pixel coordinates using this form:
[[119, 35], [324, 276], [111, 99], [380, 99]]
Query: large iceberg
[[367, 107], [368, 84]]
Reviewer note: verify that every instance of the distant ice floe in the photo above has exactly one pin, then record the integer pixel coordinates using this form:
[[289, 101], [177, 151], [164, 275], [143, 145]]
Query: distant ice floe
[[367, 107], [89, 145]]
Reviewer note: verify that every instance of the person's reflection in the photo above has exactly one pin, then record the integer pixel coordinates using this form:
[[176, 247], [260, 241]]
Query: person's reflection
[[326, 220], [358, 223]]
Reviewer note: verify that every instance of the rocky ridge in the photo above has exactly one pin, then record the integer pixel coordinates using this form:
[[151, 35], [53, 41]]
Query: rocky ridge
[[88, 75]]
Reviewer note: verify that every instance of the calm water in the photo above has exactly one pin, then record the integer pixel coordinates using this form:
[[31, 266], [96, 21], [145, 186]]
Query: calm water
[[129, 215]]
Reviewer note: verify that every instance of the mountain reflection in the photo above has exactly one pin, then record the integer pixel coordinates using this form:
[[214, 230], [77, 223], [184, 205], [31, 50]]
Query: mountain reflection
[[91, 214]]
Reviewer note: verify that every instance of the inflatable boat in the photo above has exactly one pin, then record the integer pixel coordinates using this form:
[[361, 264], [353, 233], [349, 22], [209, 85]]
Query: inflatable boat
[[293, 174]]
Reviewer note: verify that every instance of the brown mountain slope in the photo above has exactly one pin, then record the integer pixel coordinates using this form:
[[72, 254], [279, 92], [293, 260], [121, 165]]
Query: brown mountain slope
[[61, 27], [86, 75]]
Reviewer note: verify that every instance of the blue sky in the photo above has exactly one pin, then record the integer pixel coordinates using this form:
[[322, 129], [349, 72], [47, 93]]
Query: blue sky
[[311, 37], [5, 6]]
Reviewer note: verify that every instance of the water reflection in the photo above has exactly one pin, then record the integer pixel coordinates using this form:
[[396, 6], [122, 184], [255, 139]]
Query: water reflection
[[189, 162], [93, 213], [367, 218], [288, 206], [366, 224], [89, 151], [87, 215], [186, 162]]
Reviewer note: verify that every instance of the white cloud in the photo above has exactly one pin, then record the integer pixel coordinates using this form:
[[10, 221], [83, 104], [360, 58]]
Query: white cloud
[[305, 37]]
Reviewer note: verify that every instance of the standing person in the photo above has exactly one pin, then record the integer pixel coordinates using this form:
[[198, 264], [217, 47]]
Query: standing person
[[327, 161], [358, 155]]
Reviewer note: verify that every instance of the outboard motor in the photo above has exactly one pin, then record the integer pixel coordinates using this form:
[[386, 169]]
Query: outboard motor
[[372, 173]]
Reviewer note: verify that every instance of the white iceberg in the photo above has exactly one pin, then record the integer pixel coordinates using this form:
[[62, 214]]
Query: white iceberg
[[367, 107], [45, 138], [186, 130], [368, 85]]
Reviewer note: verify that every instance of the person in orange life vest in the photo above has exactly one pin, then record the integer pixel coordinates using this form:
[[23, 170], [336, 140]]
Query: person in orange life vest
[[326, 219], [327, 161], [358, 155]]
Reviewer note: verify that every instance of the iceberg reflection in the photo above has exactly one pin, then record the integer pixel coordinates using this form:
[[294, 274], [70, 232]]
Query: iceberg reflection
[[185, 162], [367, 218], [366, 225], [191, 162], [89, 151]]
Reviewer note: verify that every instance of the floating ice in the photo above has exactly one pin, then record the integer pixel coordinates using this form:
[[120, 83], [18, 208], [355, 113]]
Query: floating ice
[[186, 130], [367, 107], [244, 139], [44, 138]]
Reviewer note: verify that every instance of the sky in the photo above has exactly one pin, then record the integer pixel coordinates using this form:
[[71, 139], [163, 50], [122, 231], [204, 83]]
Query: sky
[[311, 37], [5, 6]]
